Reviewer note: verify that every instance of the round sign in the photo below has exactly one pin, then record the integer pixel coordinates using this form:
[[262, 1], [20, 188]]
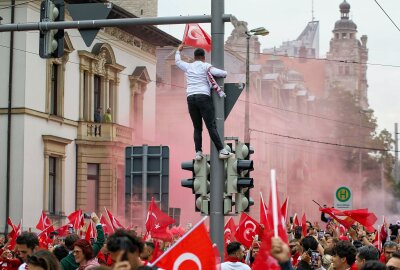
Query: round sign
[[343, 194]]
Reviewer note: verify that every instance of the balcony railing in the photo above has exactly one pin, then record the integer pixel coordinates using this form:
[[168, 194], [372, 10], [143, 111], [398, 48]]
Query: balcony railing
[[104, 132]]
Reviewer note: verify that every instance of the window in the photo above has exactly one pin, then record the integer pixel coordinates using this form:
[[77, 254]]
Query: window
[[98, 71], [346, 70], [54, 89], [141, 12], [344, 35], [53, 174], [92, 192], [55, 77]]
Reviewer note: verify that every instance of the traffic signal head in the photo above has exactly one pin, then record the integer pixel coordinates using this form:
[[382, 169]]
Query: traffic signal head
[[188, 183], [51, 42]]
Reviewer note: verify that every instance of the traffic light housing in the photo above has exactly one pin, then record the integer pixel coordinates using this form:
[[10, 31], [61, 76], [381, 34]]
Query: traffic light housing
[[199, 183], [238, 180], [51, 42]]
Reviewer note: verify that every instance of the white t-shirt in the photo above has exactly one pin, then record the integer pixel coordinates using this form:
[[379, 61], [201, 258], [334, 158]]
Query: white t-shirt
[[234, 266], [22, 266], [196, 75]]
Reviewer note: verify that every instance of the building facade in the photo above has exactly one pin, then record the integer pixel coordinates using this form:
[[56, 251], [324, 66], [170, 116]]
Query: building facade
[[64, 154]]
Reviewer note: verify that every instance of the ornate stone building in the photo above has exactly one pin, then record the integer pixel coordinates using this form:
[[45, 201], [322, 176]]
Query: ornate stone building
[[347, 68], [63, 156]]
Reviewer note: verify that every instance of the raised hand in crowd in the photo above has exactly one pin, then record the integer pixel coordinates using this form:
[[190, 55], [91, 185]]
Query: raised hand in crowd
[[279, 250]]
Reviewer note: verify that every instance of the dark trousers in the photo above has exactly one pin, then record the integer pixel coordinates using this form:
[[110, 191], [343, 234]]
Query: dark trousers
[[201, 107]]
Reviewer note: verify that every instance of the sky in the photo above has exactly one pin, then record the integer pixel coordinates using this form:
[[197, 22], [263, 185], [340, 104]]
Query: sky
[[285, 20]]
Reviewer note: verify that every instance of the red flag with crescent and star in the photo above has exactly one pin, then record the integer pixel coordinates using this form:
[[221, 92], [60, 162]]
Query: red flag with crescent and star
[[157, 221], [194, 251], [229, 231], [44, 223], [247, 229], [196, 37]]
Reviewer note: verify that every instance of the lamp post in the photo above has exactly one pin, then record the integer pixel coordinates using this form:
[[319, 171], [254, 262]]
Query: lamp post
[[260, 31]]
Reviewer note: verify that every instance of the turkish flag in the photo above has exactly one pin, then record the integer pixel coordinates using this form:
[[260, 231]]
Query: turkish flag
[[115, 224], [304, 225], [362, 216], [194, 251], [339, 216], [195, 36], [90, 232], [44, 222], [282, 232], [157, 221], [76, 219], [284, 209], [264, 260], [229, 231], [15, 231], [247, 229], [63, 230], [106, 226]]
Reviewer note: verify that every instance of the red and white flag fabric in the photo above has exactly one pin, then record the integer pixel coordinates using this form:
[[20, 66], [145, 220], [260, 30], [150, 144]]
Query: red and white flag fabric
[[63, 230], [76, 219], [284, 209], [264, 260], [90, 231], [338, 216], [196, 37], [15, 231], [115, 224], [106, 226], [157, 221], [304, 225], [192, 251], [282, 232], [229, 231], [247, 229], [44, 223]]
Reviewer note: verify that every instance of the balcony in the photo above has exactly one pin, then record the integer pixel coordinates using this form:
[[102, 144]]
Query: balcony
[[104, 132]]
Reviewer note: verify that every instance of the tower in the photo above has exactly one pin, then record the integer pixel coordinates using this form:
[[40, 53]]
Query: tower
[[346, 68]]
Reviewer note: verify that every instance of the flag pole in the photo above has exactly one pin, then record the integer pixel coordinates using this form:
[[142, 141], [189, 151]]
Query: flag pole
[[179, 240], [274, 202]]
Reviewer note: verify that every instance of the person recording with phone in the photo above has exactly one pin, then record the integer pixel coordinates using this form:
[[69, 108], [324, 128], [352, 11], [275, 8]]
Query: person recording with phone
[[310, 258]]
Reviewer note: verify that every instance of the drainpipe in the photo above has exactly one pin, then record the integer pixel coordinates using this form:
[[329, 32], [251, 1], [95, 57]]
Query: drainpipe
[[10, 85]]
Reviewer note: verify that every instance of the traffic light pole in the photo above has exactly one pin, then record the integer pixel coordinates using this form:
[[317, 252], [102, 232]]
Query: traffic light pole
[[95, 24], [217, 165]]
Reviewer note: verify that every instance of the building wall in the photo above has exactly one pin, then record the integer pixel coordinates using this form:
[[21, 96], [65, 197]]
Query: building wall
[[140, 8], [30, 122]]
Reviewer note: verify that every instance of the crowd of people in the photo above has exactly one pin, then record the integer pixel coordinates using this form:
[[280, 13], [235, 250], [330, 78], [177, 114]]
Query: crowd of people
[[319, 247]]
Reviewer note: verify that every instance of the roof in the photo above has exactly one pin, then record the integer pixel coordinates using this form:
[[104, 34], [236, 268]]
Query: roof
[[148, 33]]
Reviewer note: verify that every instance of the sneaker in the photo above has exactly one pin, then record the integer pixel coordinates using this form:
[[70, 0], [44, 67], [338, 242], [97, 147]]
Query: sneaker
[[199, 155], [224, 154]]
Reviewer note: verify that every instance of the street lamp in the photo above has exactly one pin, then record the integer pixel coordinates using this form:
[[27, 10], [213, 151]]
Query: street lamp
[[260, 31]]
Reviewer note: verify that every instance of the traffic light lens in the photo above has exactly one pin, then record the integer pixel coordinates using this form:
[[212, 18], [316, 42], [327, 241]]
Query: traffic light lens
[[245, 165]]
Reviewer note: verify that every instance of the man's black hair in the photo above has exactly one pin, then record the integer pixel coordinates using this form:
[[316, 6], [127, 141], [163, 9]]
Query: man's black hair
[[70, 240], [123, 240], [29, 239], [373, 265], [199, 53], [368, 253], [357, 244], [60, 252], [345, 249], [232, 247], [396, 254], [150, 244], [309, 242]]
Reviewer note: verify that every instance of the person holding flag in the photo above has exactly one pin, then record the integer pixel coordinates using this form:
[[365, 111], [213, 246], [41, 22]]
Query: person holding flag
[[199, 100]]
